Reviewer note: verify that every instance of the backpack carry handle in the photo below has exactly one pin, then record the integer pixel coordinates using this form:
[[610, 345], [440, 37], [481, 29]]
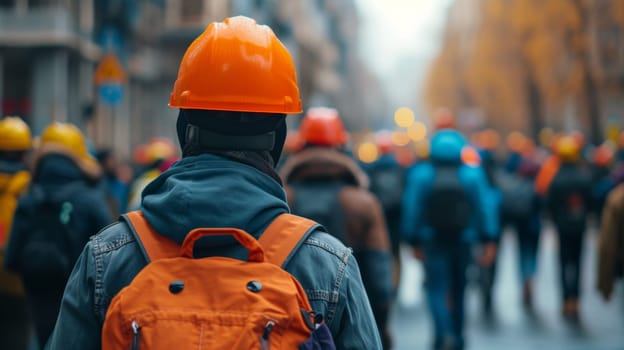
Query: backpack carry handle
[[256, 254]]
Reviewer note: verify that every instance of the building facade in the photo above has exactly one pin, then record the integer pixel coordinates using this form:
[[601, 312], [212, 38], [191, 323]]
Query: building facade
[[50, 51], [46, 59]]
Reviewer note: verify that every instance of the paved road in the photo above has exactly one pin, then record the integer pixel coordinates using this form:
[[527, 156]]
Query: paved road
[[602, 324]]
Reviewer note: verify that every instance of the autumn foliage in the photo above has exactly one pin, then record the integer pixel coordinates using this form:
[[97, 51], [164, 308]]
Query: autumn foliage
[[526, 64]]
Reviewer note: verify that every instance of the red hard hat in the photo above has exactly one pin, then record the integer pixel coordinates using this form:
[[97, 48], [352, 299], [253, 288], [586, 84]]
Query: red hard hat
[[383, 139], [322, 126], [603, 155], [444, 119]]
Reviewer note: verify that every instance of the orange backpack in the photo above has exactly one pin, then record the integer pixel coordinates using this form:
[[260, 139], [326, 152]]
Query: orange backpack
[[179, 302]]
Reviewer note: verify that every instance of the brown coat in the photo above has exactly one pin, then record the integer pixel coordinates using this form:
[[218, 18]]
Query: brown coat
[[611, 242], [366, 227]]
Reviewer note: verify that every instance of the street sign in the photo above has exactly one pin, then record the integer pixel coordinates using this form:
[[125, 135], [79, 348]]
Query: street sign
[[110, 70], [109, 78], [111, 93]]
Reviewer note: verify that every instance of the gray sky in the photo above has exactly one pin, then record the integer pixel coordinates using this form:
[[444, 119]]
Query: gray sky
[[398, 39]]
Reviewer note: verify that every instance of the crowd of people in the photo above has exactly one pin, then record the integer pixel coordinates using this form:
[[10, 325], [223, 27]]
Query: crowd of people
[[450, 205], [78, 278]]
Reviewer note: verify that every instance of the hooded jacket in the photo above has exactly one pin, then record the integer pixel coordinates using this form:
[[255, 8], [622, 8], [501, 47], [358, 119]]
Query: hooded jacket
[[61, 177], [14, 180], [358, 211], [57, 173], [210, 191], [446, 147]]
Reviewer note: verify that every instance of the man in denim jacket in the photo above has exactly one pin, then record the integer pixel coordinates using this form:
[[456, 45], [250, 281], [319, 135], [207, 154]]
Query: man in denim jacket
[[235, 86]]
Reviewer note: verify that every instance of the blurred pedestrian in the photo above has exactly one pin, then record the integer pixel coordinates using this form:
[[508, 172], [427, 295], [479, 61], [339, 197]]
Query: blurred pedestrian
[[618, 167], [568, 200], [602, 179], [387, 183], [448, 209], [54, 220], [611, 243], [326, 185], [115, 188], [160, 153], [487, 143], [15, 143], [521, 210]]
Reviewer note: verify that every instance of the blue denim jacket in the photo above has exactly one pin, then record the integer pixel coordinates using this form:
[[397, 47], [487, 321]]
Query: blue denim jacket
[[205, 187]]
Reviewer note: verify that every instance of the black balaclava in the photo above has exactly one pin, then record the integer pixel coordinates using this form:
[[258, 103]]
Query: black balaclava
[[228, 132]]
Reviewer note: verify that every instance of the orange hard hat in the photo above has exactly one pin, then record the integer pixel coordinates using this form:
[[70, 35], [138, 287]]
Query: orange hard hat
[[322, 126], [383, 139], [490, 139], [516, 141], [140, 154], [443, 119], [603, 155], [470, 156], [237, 65]]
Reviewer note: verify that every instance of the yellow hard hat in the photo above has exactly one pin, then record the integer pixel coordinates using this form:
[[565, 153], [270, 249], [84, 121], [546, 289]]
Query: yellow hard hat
[[67, 139], [568, 148], [14, 135], [67, 135], [160, 148]]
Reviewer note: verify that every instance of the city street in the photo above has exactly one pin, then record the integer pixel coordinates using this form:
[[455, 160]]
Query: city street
[[602, 324], [372, 118]]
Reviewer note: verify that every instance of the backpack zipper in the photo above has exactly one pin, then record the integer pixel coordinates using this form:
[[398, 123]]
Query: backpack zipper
[[264, 339], [135, 335]]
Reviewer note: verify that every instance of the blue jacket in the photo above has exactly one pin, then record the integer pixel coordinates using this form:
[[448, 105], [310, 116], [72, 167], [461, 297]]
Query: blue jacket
[[210, 191], [446, 147]]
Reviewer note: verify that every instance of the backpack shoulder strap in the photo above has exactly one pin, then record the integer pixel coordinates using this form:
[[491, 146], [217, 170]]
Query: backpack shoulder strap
[[18, 183], [284, 236], [153, 245]]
